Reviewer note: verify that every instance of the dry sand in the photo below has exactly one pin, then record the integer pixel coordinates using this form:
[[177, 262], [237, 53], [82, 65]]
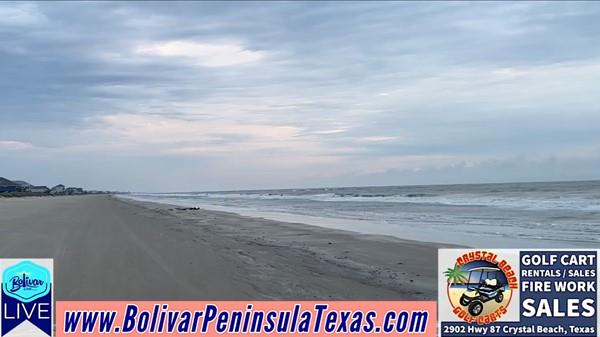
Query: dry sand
[[108, 249]]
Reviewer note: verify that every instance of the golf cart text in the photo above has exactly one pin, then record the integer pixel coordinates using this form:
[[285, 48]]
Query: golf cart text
[[565, 260]]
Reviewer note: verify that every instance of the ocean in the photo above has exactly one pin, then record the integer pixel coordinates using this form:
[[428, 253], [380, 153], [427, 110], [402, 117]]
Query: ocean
[[509, 215]]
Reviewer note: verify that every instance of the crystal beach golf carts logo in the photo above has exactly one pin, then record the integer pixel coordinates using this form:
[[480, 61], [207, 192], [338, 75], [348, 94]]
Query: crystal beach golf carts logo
[[26, 297], [480, 286], [518, 292]]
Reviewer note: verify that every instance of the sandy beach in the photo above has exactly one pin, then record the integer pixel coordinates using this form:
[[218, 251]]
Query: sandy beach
[[106, 248]]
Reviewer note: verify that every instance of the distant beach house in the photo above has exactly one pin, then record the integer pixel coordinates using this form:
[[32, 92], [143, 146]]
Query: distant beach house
[[7, 186], [24, 185], [74, 190], [58, 189], [39, 189]]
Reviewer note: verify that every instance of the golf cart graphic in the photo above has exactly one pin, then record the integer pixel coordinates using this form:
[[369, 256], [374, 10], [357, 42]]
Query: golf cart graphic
[[478, 291], [484, 284]]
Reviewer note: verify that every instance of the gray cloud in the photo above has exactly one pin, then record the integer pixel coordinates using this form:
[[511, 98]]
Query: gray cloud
[[292, 91]]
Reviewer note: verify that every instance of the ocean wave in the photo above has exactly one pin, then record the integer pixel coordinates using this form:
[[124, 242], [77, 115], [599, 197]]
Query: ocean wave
[[502, 214], [552, 196], [510, 202]]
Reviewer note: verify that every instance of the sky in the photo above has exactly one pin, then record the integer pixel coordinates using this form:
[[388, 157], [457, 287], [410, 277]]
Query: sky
[[186, 96]]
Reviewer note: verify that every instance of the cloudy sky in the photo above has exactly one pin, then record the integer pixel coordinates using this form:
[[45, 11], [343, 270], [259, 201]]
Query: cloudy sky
[[200, 96]]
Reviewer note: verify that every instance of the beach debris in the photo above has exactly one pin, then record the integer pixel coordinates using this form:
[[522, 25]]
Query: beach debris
[[187, 208], [357, 195], [419, 195]]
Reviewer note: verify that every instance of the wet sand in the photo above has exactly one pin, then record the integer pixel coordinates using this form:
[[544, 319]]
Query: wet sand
[[106, 248]]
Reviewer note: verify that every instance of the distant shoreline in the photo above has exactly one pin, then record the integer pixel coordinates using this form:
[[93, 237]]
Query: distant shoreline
[[372, 186], [33, 194]]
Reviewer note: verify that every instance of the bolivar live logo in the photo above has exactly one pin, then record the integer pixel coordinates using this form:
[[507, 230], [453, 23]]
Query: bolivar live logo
[[26, 298]]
